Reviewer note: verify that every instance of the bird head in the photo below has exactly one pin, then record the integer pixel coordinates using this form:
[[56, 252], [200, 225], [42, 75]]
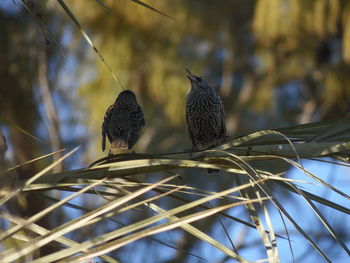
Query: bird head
[[126, 96], [196, 81]]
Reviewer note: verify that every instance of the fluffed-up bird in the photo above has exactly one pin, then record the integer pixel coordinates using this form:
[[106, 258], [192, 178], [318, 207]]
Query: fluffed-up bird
[[122, 122], [205, 115]]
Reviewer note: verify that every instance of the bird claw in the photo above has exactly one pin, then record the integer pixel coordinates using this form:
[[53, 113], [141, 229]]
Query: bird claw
[[110, 157], [190, 151]]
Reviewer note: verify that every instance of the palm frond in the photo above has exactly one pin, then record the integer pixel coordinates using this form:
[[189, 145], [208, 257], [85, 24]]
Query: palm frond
[[114, 181]]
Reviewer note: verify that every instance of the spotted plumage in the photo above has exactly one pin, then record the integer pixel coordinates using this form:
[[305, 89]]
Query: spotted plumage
[[123, 122], [205, 115]]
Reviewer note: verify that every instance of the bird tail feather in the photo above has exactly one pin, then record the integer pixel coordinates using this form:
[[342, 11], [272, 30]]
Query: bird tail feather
[[119, 143]]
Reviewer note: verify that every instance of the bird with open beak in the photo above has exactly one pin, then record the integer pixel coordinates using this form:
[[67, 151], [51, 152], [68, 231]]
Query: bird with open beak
[[205, 115]]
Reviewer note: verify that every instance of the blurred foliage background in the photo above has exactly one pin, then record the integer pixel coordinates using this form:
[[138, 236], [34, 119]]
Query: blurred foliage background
[[274, 62]]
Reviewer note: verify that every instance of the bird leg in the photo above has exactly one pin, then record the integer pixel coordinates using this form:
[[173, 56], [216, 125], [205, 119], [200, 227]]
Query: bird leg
[[110, 156], [193, 149]]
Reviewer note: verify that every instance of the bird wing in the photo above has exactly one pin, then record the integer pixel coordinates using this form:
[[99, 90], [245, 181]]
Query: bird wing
[[137, 115], [190, 130], [137, 122], [105, 124]]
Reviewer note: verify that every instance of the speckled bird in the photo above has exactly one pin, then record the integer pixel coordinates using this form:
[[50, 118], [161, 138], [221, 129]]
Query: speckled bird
[[122, 122], [205, 115]]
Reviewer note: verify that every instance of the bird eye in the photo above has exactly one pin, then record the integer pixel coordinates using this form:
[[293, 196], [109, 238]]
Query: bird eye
[[199, 79]]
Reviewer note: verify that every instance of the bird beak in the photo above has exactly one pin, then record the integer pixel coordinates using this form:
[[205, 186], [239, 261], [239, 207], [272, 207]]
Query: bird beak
[[190, 76]]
